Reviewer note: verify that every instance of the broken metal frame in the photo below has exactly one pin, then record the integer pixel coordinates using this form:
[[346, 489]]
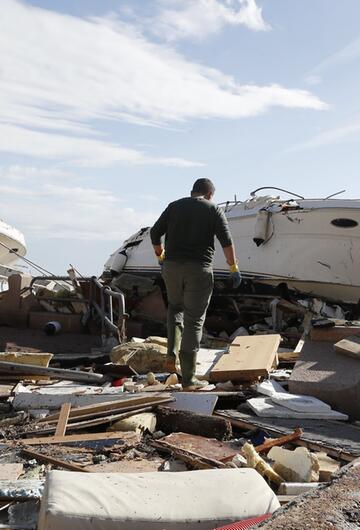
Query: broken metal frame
[[106, 310]]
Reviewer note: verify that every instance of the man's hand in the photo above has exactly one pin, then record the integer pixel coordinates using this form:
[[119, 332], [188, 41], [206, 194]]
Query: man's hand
[[160, 254], [235, 275], [161, 258]]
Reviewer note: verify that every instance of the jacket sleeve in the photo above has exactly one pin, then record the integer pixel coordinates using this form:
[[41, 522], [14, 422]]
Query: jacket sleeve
[[159, 228], [222, 230]]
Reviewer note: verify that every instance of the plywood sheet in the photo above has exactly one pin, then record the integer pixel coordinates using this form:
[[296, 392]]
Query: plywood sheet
[[200, 446], [349, 347], [248, 358]]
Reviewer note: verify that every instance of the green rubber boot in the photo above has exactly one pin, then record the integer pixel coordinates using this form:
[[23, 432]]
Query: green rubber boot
[[188, 368], [172, 358]]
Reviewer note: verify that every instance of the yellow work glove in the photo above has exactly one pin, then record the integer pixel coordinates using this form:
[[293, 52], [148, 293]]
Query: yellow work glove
[[235, 275], [161, 258]]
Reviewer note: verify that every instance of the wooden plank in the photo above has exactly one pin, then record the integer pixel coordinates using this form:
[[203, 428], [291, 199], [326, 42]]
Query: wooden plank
[[55, 461], [122, 404], [103, 413], [349, 347], [249, 357], [52, 373], [78, 426], [282, 440], [74, 438], [63, 419], [291, 307], [288, 356], [334, 334]]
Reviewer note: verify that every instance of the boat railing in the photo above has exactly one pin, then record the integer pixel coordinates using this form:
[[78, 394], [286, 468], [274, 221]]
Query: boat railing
[[111, 309], [109, 305], [227, 204]]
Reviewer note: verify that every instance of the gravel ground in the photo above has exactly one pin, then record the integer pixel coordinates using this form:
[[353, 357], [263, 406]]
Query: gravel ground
[[336, 507]]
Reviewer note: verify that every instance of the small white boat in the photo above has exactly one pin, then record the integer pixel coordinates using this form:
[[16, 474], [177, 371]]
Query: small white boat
[[312, 245], [12, 244]]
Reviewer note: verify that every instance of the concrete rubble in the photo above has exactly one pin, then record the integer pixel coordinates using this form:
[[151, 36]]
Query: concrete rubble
[[280, 411]]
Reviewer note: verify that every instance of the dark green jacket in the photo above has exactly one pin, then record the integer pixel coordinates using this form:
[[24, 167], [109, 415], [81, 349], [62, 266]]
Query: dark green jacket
[[190, 226]]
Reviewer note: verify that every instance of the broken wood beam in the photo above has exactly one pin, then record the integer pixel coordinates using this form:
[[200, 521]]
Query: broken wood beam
[[171, 420], [334, 334], [55, 461], [52, 373], [63, 419], [282, 440], [76, 438], [79, 425], [124, 405], [291, 307]]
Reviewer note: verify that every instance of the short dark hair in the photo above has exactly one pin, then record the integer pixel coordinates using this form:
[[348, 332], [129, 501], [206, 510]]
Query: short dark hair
[[203, 186]]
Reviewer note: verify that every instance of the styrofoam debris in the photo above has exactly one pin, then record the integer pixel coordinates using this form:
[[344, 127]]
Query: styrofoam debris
[[300, 403], [295, 466], [270, 387], [266, 408]]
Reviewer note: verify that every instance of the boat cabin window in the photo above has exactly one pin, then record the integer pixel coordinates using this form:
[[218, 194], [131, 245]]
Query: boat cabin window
[[344, 223]]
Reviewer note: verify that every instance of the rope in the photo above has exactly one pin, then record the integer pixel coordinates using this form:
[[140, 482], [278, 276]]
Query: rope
[[40, 269]]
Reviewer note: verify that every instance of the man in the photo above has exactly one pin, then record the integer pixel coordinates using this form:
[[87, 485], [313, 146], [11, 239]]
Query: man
[[190, 225]]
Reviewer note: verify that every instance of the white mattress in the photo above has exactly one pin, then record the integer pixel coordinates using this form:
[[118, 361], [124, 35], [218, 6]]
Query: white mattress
[[147, 501]]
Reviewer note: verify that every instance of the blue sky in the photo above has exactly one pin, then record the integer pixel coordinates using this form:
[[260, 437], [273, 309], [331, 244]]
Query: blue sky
[[109, 109]]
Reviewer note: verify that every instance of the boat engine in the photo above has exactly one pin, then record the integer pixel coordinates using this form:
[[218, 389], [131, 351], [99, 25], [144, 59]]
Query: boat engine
[[116, 262], [261, 227]]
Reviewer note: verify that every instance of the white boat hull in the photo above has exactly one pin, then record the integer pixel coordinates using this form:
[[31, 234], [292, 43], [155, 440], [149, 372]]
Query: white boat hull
[[303, 248], [12, 244]]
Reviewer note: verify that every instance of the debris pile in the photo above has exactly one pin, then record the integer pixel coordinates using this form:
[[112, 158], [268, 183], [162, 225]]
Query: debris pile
[[277, 420]]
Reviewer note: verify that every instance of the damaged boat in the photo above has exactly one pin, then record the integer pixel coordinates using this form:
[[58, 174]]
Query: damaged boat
[[12, 244], [311, 245]]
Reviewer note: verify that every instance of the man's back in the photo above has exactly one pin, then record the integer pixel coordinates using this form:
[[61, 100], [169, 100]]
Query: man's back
[[189, 225]]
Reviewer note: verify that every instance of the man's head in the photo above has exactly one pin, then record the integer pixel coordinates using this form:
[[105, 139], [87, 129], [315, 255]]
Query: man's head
[[203, 188]]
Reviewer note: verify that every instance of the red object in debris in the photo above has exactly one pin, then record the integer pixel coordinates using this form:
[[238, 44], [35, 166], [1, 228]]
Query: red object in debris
[[247, 523], [118, 382]]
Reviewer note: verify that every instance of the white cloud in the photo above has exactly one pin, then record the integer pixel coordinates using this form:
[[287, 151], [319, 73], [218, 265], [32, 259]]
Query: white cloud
[[16, 173], [52, 211], [80, 151], [68, 75], [345, 132], [313, 80], [349, 53], [196, 19]]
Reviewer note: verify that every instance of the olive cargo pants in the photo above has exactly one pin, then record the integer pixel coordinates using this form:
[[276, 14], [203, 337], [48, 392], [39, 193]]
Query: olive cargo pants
[[189, 287]]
